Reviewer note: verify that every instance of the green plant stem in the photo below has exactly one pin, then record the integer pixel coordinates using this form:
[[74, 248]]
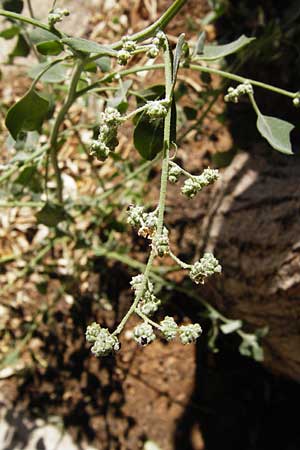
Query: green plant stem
[[254, 104], [15, 168], [240, 79], [21, 204], [58, 121], [30, 21], [163, 191], [122, 73], [179, 262]]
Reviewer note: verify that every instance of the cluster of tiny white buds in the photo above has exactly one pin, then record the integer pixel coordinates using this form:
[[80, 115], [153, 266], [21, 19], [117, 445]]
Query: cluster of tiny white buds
[[189, 333], [123, 56], [234, 94], [107, 139], [143, 334], [148, 303], [169, 328], [174, 173], [145, 222], [57, 15], [128, 44], [296, 102], [195, 184], [103, 341], [157, 43], [207, 266], [157, 109], [161, 242]]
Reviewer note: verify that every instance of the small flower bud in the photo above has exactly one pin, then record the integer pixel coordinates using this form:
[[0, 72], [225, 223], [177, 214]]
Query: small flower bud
[[92, 332], [207, 266], [189, 333], [153, 51], [128, 44], [57, 15], [143, 334], [104, 342], [100, 150], [157, 109], [194, 185], [233, 95], [123, 57], [174, 174], [169, 328], [296, 102], [161, 243]]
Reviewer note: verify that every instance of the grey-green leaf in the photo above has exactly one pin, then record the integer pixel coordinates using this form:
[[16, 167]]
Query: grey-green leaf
[[200, 44], [85, 46], [55, 74], [27, 114], [177, 56], [276, 132], [212, 52]]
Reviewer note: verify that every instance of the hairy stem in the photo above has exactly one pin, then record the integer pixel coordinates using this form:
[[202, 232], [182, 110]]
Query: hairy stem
[[163, 189], [240, 79], [58, 121]]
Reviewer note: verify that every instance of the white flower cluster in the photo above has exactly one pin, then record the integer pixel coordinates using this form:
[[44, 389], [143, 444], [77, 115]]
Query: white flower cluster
[[195, 184], [169, 328], [104, 342], [174, 173], [234, 94], [157, 109], [126, 52], [157, 43], [107, 139], [143, 334], [145, 222], [207, 266], [148, 303], [161, 242], [57, 15], [189, 333]]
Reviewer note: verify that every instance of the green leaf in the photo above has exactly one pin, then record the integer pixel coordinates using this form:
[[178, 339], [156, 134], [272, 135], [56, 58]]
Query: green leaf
[[231, 326], [29, 177], [13, 5], [55, 74], [10, 33], [85, 46], [50, 48], [119, 100], [148, 136], [21, 49], [276, 132], [212, 52], [27, 114], [38, 35], [104, 63], [200, 44], [51, 215], [177, 56]]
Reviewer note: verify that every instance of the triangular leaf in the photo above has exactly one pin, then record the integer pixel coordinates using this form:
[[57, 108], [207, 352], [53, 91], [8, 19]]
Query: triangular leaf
[[276, 131], [212, 52], [85, 46], [51, 215], [27, 114]]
